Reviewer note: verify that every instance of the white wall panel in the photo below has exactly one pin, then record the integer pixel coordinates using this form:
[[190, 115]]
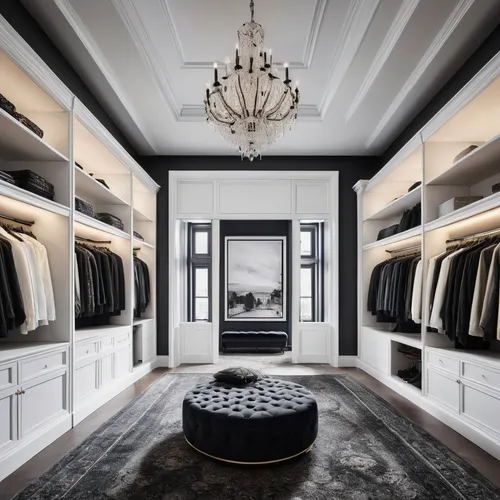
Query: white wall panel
[[195, 197], [255, 197], [312, 198], [314, 343], [196, 343]]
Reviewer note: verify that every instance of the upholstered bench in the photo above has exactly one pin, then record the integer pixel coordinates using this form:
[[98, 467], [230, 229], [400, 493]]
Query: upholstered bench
[[265, 421], [257, 340]]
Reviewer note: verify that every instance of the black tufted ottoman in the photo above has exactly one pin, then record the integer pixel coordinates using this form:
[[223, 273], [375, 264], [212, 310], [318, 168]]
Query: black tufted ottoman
[[266, 421]]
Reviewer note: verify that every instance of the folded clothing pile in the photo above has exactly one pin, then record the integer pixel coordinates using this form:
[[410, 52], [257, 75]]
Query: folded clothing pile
[[34, 183], [84, 207], [6, 177], [138, 236], [7, 106], [410, 219], [110, 219]]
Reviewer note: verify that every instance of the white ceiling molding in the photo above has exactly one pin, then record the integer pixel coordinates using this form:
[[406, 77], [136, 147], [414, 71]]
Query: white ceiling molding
[[446, 31], [356, 23], [93, 49], [149, 54], [312, 37], [390, 40]]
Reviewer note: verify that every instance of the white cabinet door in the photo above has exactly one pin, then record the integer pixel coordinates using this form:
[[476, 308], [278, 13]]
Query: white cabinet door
[[106, 370], [42, 400], [482, 408], [86, 381], [8, 419], [444, 389], [122, 362]]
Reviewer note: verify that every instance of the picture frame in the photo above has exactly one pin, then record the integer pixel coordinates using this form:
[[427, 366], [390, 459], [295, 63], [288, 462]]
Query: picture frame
[[255, 278]]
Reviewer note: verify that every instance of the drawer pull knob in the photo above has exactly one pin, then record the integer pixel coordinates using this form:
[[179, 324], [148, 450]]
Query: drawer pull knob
[[440, 360], [483, 375], [23, 392], [88, 351], [17, 393], [45, 367], [458, 382]]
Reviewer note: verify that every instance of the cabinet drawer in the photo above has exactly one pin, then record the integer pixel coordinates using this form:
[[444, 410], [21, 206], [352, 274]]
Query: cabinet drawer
[[482, 408], [121, 340], [444, 389], [33, 367], [85, 350], [85, 382], [443, 362], [107, 344], [481, 375], [8, 376]]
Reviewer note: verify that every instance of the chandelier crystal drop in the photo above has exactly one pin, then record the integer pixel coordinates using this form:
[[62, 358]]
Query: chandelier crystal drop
[[250, 106]]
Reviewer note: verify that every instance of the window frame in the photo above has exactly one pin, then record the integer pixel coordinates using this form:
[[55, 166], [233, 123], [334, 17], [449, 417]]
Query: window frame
[[315, 262], [198, 261]]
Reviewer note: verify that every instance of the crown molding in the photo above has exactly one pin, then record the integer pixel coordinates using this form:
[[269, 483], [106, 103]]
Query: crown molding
[[135, 27], [446, 31], [19, 51], [356, 23], [396, 29], [310, 47], [98, 57]]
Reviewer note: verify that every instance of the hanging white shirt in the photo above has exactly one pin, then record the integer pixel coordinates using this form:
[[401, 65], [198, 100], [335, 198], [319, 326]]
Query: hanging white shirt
[[416, 297]]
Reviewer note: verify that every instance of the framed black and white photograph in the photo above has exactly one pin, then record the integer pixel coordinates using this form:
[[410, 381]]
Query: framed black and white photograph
[[255, 278]]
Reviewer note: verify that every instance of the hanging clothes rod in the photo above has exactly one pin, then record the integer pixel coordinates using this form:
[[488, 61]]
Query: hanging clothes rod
[[19, 221], [413, 247], [107, 242], [472, 236]]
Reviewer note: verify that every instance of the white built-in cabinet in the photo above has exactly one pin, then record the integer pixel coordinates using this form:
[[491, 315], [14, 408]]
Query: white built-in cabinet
[[57, 375], [461, 388]]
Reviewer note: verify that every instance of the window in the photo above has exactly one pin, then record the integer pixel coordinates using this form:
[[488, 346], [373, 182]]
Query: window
[[311, 272], [199, 272]]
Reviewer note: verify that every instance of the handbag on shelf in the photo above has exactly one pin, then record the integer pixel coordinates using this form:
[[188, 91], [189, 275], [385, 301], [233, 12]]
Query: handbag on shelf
[[465, 152], [6, 105], [34, 183], [28, 124], [110, 219], [102, 181], [6, 177], [84, 207], [138, 236], [388, 231]]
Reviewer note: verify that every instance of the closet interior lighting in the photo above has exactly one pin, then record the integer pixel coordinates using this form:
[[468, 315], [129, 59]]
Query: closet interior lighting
[[104, 242], [19, 221], [413, 247], [472, 236]]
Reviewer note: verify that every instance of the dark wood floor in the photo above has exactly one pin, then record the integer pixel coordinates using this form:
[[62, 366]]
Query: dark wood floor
[[482, 461]]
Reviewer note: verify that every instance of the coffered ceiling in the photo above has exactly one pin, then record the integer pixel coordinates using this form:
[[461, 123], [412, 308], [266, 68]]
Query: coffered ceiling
[[366, 67]]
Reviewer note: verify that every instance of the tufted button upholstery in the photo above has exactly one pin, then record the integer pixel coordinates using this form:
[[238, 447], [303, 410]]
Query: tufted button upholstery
[[267, 420]]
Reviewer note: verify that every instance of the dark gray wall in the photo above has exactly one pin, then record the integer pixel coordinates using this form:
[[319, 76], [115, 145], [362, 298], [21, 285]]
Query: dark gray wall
[[20, 19], [350, 169], [256, 228]]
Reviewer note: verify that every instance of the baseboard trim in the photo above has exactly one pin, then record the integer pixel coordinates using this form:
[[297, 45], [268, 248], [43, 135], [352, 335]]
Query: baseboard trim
[[348, 361], [25, 450], [104, 395]]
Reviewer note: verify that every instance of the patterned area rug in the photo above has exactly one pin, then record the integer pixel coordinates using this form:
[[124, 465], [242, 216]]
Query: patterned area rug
[[365, 451]]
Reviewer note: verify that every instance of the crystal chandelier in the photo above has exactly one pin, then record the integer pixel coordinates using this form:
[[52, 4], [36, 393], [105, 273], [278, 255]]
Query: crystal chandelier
[[250, 106]]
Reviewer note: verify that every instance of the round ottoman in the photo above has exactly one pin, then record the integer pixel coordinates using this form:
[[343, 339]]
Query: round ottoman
[[266, 421]]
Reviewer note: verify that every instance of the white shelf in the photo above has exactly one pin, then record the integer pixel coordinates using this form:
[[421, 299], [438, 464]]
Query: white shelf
[[478, 207], [16, 193], [481, 163], [407, 390], [19, 143], [414, 340], [142, 243], [142, 321], [411, 233], [13, 350], [140, 217], [92, 332], [100, 226], [87, 188], [398, 206]]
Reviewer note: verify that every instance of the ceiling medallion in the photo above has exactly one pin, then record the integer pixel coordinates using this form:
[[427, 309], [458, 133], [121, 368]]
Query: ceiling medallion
[[250, 106]]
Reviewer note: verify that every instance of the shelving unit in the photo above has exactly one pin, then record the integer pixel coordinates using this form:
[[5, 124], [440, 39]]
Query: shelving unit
[[454, 381], [77, 370]]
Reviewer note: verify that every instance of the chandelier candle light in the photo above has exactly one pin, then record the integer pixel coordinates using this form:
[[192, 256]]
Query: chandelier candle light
[[251, 107]]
